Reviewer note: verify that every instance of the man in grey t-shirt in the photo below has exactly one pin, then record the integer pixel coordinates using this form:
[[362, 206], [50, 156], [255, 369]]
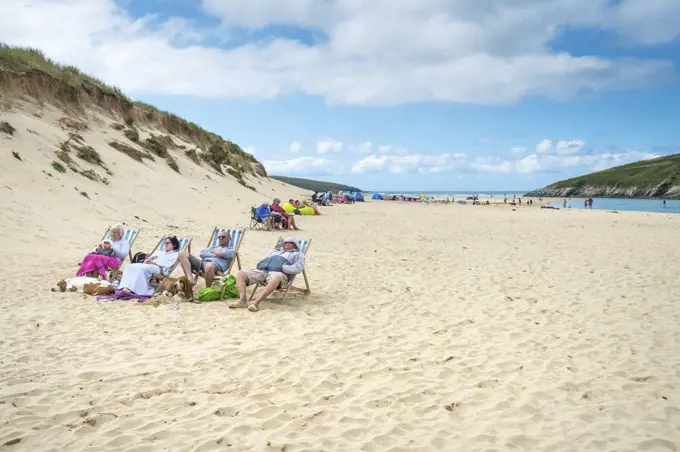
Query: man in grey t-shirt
[[212, 259]]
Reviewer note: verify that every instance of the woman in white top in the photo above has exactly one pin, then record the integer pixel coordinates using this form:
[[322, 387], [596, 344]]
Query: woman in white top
[[136, 277]]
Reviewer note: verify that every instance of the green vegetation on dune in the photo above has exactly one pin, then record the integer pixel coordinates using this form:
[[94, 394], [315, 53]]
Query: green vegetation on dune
[[658, 177], [314, 185], [31, 72]]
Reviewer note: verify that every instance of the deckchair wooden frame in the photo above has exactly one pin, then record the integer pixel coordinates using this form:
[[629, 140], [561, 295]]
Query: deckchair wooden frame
[[131, 242], [159, 277], [290, 286], [237, 258]]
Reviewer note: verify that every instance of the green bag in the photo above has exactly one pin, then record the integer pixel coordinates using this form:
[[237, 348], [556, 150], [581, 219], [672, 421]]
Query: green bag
[[214, 294], [230, 289]]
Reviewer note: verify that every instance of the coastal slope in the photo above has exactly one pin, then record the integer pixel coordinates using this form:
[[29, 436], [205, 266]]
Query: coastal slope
[[78, 155], [314, 185], [655, 178]]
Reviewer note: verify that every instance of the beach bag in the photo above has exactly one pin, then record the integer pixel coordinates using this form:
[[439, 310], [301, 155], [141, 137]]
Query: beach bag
[[214, 293], [229, 288], [139, 258], [209, 294]]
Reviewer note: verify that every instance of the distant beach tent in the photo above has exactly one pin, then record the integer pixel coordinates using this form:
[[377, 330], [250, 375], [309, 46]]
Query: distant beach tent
[[358, 196], [377, 196]]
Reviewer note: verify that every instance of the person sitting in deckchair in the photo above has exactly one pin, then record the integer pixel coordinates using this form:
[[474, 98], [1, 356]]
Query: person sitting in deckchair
[[264, 213], [136, 277], [275, 269], [287, 219], [212, 259]]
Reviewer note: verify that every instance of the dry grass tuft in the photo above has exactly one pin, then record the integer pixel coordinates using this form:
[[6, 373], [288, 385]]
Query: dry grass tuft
[[67, 123], [193, 156], [131, 152], [132, 135], [7, 128]]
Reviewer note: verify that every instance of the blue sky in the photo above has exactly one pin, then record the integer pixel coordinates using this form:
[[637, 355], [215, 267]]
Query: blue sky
[[391, 95]]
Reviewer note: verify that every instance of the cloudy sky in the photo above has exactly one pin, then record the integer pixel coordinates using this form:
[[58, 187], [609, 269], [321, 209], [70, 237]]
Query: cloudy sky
[[390, 94]]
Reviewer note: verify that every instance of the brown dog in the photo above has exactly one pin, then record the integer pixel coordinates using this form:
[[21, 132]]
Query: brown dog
[[98, 289], [88, 286], [181, 286]]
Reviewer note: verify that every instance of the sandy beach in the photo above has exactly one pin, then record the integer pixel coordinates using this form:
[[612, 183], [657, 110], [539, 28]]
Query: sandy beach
[[429, 327]]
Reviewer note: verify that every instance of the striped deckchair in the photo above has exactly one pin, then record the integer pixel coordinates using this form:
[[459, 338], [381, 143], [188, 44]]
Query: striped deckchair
[[159, 277], [129, 234], [303, 246], [236, 237]]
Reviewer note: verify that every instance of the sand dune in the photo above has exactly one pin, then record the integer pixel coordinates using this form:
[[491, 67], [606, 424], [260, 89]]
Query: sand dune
[[440, 327]]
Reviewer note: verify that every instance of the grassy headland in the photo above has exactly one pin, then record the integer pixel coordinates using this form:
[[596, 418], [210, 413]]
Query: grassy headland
[[655, 178]]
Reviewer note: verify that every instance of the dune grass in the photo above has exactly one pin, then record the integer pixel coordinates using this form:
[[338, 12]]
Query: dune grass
[[23, 59]]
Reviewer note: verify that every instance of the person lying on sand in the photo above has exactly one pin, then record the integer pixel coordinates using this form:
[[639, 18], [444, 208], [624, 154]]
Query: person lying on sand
[[273, 271], [136, 277], [212, 259]]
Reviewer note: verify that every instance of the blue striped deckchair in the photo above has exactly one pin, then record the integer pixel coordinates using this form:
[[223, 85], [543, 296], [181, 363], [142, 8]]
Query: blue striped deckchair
[[129, 234], [159, 277], [236, 237], [303, 246]]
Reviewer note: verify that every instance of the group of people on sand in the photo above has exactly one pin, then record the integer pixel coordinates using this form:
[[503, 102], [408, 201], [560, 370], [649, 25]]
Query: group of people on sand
[[274, 215], [273, 271]]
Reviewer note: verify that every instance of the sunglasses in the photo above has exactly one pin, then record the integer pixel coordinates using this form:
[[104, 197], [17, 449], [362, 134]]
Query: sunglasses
[[222, 236]]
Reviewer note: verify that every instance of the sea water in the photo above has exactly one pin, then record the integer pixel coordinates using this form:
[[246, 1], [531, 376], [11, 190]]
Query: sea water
[[640, 205], [623, 204]]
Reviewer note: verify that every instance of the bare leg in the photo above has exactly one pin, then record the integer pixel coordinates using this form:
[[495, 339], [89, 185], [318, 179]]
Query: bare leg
[[186, 266], [209, 274], [241, 285], [268, 290], [291, 223]]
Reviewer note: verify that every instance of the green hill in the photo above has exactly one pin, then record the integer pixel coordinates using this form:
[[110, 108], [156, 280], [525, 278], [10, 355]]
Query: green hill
[[314, 185], [656, 178]]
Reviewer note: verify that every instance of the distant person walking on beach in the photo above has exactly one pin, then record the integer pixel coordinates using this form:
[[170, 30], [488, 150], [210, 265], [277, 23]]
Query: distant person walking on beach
[[664, 203], [590, 203], [564, 204]]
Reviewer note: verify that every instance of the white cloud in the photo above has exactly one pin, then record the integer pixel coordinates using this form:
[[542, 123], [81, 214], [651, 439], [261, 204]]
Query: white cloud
[[446, 163], [544, 146], [488, 52], [414, 163], [295, 147], [301, 166], [328, 145], [569, 147], [362, 148], [491, 165]]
